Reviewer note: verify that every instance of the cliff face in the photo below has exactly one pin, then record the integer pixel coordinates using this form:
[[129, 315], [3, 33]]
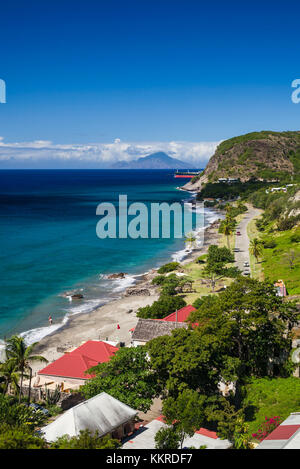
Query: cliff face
[[264, 155]]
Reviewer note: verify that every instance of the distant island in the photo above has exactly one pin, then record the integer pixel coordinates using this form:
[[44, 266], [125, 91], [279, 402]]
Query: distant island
[[159, 160]]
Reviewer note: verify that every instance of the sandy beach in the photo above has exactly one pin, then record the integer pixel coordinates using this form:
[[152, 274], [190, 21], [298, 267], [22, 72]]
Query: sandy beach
[[102, 323]]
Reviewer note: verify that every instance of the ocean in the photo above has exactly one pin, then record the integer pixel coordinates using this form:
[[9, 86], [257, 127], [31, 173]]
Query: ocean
[[49, 244]]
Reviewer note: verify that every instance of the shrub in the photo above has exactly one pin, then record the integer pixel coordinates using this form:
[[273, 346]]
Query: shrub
[[165, 305], [269, 244], [164, 269], [267, 427]]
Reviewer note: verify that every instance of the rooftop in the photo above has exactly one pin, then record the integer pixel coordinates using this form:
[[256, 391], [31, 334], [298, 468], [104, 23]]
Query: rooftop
[[285, 436], [75, 363], [147, 329], [181, 315], [102, 413], [144, 438]]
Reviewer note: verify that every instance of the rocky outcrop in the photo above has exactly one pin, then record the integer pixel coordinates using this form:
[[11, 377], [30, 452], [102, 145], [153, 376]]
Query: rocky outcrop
[[261, 155], [136, 291], [116, 276]]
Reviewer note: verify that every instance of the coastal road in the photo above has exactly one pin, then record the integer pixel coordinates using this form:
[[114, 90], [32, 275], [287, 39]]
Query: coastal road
[[242, 242]]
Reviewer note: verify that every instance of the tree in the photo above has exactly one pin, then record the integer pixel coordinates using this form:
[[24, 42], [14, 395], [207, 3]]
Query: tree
[[20, 355], [167, 438], [227, 227], [215, 268], [254, 324], [231, 424], [186, 360], [85, 440], [12, 437], [165, 305], [10, 375], [127, 376], [256, 248], [185, 413], [18, 415], [291, 258], [190, 240]]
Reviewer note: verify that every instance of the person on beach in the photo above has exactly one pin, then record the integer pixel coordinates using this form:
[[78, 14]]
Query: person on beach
[[50, 320], [118, 326]]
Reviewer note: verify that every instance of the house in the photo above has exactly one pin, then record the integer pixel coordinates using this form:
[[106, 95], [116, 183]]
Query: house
[[102, 413], [73, 365], [147, 329], [280, 288], [180, 315], [144, 437], [285, 436]]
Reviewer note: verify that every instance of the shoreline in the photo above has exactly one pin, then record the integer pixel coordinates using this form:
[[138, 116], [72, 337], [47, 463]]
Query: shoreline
[[102, 322]]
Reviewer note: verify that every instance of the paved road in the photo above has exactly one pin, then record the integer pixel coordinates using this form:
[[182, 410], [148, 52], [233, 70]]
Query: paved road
[[242, 242]]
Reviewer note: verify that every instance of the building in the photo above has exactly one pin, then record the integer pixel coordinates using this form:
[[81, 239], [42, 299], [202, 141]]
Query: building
[[71, 367], [285, 436], [144, 437], [102, 413], [280, 288], [180, 315], [147, 329]]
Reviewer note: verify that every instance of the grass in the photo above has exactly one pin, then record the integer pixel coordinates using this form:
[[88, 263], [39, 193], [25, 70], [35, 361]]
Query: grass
[[276, 264], [194, 271], [270, 398], [256, 267]]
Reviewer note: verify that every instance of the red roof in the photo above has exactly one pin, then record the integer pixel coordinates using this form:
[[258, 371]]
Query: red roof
[[201, 431], [75, 363], [283, 432], [182, 314]]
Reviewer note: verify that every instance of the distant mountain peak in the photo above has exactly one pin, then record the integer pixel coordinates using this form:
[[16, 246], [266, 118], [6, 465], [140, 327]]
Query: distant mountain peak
[[158, 160]]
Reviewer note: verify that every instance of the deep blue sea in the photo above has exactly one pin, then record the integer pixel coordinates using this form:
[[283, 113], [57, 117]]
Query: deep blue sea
[[48, 242]]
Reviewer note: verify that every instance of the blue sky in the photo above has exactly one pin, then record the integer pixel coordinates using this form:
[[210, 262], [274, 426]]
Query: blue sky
[[158, 71]]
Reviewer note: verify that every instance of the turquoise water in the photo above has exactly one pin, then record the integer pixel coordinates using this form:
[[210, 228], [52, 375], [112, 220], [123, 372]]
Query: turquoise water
[[49, 244]]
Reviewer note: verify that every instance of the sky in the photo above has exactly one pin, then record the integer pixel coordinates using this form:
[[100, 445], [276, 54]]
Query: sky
[[92, 82]]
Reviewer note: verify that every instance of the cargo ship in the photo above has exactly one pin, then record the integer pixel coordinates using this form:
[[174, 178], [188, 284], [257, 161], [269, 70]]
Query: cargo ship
[[186, 174]]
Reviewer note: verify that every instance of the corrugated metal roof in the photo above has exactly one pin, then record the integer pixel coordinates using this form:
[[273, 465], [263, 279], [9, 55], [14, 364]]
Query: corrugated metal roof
[[102, 413]]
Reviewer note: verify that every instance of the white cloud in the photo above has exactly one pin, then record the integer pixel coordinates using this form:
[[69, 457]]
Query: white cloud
[[44, 153]]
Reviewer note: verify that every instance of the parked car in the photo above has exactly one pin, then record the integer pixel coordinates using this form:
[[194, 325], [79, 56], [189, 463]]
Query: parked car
[[236, 250], [246, 264], [36, 407], [246, 272], [238, 233]]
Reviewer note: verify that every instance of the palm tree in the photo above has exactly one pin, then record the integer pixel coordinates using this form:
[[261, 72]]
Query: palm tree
[[10, 374], [190, 239], [20, 355], [227, 227], [256, 248]]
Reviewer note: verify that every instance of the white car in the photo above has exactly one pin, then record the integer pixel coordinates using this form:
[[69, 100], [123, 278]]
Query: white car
[[246, 264]]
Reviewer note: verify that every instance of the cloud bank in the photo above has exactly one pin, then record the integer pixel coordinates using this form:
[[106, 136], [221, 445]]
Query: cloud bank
[[45, 154]]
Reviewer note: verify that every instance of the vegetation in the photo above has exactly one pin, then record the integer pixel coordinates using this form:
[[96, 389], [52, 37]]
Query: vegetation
[[127, 376], [266, 397], [215, 268], [165, 305], [19, 355], [170, 267], [85, 440]]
